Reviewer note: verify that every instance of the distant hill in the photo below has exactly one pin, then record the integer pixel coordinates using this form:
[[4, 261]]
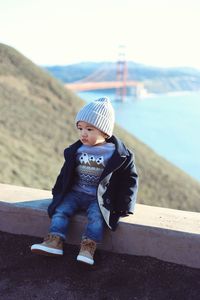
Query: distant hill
[[156, 80], [37, 123]]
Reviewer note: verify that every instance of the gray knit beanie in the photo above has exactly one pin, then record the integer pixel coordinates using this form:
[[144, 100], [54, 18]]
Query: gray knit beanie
[[98, 113]]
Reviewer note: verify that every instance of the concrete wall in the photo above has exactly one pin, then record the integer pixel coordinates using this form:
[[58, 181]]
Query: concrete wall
[[167, 234]]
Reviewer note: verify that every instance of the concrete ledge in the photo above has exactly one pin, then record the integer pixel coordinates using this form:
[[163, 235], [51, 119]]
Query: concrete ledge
[[167, 234]]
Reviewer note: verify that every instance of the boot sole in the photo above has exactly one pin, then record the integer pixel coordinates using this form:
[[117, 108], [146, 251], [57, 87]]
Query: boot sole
[[85, 260], [38, 249]]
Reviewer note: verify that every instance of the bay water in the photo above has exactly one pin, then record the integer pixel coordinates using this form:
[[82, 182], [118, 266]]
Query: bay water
[[168, 123]]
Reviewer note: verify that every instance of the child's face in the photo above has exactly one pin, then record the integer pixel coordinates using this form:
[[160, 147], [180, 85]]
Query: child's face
[[90, 135]]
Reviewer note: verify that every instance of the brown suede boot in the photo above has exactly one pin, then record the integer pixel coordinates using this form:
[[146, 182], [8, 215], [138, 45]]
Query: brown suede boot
[[87, 251], [51, 246]]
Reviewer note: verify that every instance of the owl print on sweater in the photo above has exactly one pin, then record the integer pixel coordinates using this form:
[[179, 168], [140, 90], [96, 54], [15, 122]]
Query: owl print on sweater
[[90, 163]]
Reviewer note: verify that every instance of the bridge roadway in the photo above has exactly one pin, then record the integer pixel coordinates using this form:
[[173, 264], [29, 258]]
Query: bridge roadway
[[88, 86]]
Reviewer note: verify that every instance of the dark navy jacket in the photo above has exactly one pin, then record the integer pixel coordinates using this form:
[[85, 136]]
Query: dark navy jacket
[[117, 188]]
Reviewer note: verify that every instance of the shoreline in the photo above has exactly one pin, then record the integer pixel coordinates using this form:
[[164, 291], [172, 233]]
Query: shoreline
[[175, 93]]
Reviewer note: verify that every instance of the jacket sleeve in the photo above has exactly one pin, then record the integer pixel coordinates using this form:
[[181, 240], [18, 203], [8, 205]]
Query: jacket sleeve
[[128, 182], [59, 182], [56, 192], [58, 186]]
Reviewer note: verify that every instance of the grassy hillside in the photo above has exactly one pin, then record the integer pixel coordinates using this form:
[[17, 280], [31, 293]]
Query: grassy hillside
[[37, 123]]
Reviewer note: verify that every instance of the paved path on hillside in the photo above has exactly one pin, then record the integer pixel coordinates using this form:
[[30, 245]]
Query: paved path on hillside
[[26, 276]]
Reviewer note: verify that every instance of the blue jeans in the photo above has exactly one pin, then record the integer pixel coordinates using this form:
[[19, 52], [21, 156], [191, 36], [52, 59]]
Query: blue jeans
[[73, 202]]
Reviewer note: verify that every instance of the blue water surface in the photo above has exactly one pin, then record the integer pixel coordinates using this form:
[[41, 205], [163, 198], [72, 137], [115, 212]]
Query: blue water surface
[[169, 124]]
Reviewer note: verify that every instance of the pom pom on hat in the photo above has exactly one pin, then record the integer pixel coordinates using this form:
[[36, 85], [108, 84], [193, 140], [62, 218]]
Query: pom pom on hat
[[98, 113]]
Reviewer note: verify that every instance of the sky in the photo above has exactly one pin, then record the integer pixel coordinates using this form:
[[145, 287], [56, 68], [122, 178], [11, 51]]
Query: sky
[[60, 32]]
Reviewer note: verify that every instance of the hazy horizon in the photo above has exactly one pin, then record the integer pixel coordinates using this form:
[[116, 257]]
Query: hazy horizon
[[62, 32]]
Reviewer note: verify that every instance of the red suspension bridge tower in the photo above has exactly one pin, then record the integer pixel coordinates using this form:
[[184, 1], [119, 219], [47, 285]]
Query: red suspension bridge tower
[[121, 74]]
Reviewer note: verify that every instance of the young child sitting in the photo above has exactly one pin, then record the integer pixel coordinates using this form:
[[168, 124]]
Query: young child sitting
[[98, 176]]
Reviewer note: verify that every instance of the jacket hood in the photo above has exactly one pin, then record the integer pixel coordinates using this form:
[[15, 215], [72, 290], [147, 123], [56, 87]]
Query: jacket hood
[[120, 147]]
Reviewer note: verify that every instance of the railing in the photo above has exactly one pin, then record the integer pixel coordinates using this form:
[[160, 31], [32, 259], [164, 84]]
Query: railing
[[86, 86]]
